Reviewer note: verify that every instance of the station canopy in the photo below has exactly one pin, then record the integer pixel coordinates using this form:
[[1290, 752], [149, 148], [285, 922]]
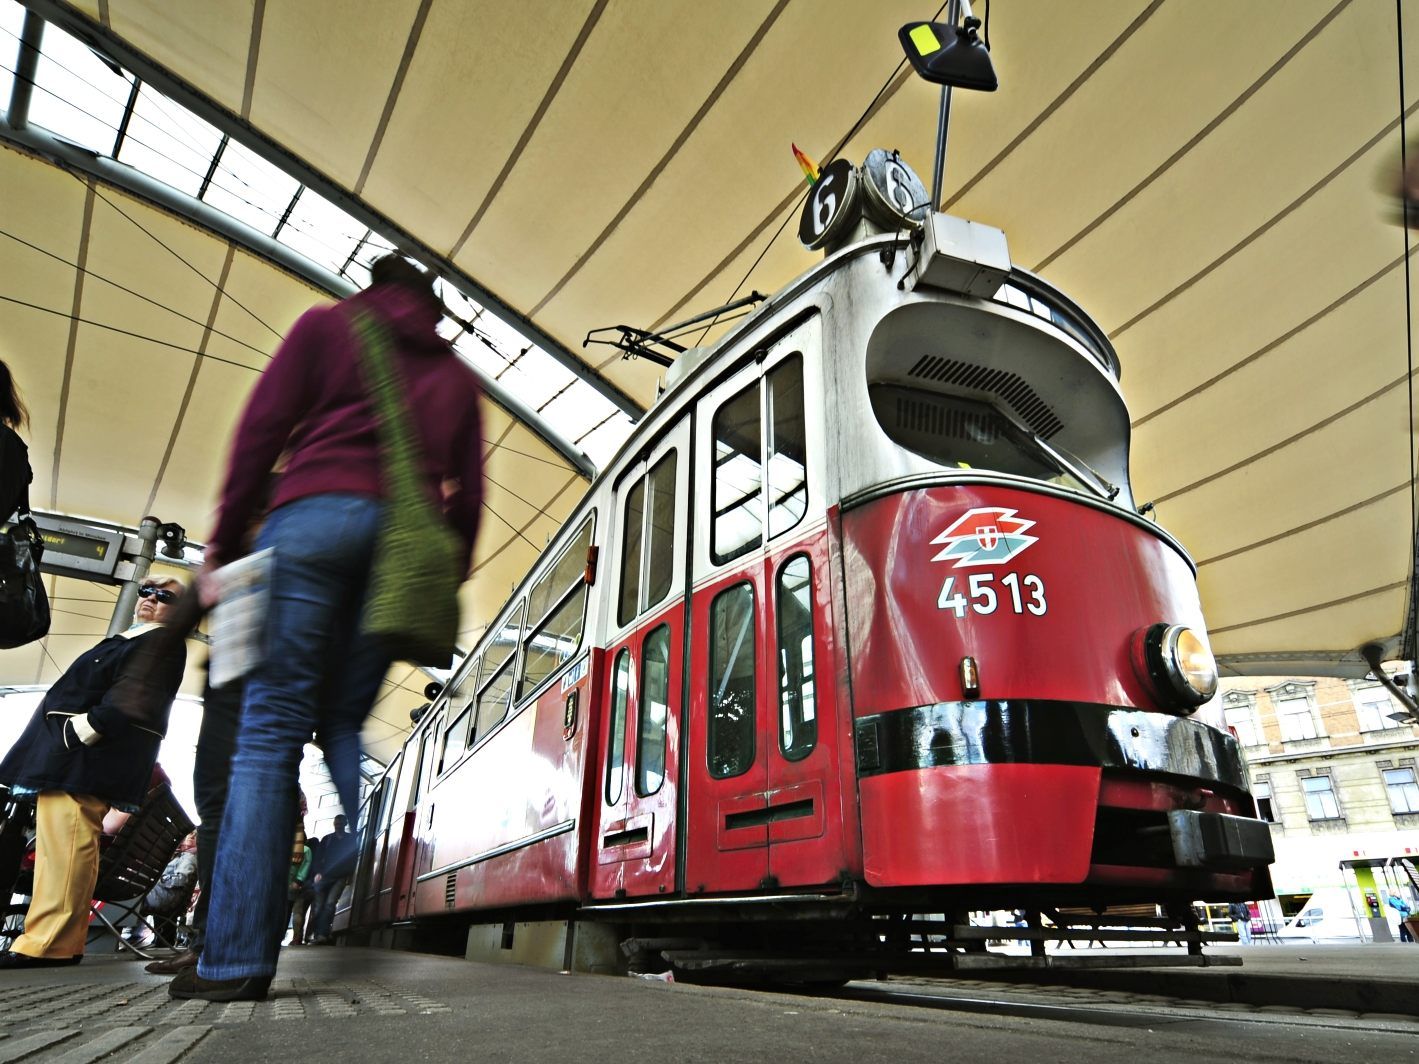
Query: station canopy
[[1212, 180]]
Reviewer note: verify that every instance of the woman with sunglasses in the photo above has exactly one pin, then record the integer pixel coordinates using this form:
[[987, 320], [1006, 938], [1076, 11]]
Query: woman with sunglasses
[[90, 745]]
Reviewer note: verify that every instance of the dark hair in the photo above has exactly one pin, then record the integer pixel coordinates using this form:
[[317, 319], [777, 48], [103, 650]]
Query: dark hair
[[397, 270], [12, 407]]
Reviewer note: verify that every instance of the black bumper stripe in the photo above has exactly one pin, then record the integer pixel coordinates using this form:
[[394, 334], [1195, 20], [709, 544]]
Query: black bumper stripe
[[1039, 732]]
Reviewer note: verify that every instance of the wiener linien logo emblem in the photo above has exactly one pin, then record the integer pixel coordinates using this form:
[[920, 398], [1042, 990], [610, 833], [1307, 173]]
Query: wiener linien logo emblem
[[987, 535]]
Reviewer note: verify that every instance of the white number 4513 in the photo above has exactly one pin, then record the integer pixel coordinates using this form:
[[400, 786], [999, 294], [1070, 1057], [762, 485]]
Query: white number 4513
[[1026, 594]]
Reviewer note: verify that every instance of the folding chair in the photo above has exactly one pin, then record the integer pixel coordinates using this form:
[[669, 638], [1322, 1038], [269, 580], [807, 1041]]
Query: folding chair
[[131, 865]]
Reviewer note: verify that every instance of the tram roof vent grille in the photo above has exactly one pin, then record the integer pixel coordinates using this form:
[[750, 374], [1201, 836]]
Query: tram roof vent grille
[[1010, 387], [450, 890]]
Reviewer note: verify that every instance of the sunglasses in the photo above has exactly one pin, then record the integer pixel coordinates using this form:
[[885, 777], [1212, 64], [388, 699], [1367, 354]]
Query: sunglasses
[[162, 594]]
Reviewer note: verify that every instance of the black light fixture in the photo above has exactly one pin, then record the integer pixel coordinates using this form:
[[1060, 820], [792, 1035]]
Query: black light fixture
[[950, 55]]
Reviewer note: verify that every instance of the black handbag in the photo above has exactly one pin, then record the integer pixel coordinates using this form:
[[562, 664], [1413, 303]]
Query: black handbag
[[24, 606]]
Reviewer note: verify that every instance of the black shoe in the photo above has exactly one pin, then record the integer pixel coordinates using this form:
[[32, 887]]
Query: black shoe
[[189, 984], [174, 964], [21, 960]]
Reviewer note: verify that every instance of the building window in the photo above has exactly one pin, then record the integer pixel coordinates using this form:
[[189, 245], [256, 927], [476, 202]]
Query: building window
[[1265, 810], [1373, 706], [1242, 721], [1295, 716], [1320, 798], [1403, 790]]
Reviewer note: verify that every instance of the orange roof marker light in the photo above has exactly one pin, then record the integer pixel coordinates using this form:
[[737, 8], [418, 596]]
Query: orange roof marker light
[[809, 167]]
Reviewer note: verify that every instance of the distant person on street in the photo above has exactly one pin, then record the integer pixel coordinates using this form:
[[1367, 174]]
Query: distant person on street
[[321, 673], [1403, 908]]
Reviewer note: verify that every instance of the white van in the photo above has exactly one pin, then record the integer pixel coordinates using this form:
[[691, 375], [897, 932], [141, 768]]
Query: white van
[[1328, 915]]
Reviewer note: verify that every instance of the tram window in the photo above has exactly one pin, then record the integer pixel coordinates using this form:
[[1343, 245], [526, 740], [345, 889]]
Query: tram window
[[654, 711], [788, 484], [660, 535], [798, 710], [616, 754], [557, 610], [730, 741], [735, 496], [648, 535], [496, 676], [568, 570], [455, 739], [966, 434], [493, 702], [432, 766], [553, 642], [632, 527]]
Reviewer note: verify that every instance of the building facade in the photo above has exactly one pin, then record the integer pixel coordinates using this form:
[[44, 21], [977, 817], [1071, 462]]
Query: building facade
[[1333, 772]]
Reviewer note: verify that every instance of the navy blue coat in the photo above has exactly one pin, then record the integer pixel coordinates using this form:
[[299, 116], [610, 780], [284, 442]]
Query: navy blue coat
[[49, 757]]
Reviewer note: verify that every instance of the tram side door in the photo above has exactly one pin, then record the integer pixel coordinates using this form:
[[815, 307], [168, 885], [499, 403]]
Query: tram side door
[[764, 801], [643, 682], [727, 832]]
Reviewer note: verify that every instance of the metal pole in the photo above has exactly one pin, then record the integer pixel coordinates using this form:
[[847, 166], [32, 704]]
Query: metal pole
[[25, 69], [142, 561], [943, 121]]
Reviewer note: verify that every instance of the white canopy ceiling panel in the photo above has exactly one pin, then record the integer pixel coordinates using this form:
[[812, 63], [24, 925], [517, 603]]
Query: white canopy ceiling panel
[[1287, 137], [572, 176], [472, 89], [1334, 628], [213, 37], [330, 97], [260, 306]]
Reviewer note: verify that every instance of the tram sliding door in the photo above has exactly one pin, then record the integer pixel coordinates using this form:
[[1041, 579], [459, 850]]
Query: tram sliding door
[[640, 740], [764, 801]]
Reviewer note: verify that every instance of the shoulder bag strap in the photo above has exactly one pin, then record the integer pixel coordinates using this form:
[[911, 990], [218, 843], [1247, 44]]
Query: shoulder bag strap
[[389, 398]]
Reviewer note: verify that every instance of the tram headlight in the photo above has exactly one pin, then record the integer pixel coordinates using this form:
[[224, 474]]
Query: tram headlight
[[1177, 663]]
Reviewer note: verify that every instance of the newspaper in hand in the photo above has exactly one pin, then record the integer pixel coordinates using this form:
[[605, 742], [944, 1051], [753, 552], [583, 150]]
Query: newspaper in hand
[[238, 621]]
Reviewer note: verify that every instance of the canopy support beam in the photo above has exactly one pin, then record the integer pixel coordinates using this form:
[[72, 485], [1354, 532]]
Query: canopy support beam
[[60, 152], [134, 61]]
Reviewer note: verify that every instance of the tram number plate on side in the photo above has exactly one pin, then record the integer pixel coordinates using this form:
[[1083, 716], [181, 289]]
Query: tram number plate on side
[[985, 593]]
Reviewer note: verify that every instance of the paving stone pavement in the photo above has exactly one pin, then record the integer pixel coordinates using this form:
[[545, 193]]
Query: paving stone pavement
[[79, 1022]]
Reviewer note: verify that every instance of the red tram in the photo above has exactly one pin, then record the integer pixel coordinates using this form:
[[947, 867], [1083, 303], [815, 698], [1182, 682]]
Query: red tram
[[861, 622]]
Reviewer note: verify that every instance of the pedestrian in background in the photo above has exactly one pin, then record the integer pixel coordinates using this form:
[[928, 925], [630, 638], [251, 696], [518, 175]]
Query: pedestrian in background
[[321, 672], [91, 744], [15, 471]]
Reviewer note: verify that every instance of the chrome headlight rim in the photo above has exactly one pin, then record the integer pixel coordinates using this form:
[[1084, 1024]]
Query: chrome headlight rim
[[1163, 660]]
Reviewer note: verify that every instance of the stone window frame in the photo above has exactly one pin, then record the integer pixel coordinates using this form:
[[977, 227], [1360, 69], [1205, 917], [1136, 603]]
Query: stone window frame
[[1288, 691]]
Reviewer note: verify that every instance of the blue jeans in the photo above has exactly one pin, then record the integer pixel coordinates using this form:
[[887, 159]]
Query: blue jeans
[[320, 675]]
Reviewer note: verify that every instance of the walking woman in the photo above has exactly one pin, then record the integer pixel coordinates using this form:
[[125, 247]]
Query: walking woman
[[15, 472], [320, 673]]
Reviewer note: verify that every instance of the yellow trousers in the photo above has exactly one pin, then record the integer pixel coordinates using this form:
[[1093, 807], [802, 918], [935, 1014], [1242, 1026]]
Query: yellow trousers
[[66, 869]]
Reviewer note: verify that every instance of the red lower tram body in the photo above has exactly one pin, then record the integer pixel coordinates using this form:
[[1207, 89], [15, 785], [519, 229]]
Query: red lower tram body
[[969, 730]]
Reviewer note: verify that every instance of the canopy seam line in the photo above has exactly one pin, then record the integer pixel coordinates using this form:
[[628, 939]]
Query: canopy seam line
[[1307, 431], [1270, 346], [192, 378], [85, 232], [726, 79], [1310, 609], [415, 32], [1201, 135], [1275, 220], [534, 123], [1352, 508], [1058, 102]]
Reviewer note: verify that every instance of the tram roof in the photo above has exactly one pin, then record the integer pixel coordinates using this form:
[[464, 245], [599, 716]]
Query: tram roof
[[1204, 178]]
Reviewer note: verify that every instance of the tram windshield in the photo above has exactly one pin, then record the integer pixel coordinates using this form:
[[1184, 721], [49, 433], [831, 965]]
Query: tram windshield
[[962, 433]]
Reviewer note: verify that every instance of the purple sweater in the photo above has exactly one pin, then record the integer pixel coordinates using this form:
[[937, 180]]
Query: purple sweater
[[310, 406]]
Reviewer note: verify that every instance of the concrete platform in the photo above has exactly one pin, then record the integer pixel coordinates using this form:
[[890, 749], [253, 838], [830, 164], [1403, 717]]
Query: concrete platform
[[375, 1005], [1381, 978]]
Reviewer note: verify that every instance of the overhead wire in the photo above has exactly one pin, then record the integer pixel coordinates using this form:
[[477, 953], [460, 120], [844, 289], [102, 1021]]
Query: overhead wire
[[798, 205], [138, 295]]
